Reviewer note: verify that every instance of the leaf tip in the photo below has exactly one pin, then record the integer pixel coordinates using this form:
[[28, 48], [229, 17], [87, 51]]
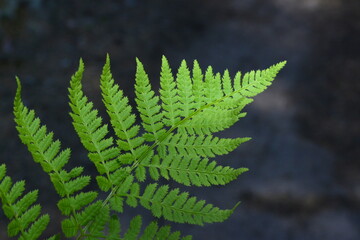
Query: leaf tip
[[281, 64], [236, 205], [18, 91], [81, 63]]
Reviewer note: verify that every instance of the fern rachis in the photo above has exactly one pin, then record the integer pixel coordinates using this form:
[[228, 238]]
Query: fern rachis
[[175, 141]]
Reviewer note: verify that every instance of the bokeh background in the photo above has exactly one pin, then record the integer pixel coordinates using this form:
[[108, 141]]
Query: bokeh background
[[304, 181]]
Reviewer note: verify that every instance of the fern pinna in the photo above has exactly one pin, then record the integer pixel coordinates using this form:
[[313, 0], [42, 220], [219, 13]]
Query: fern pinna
[[175, 141]]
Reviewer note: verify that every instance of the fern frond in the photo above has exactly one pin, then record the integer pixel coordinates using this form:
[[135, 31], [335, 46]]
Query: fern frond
[[179, 207], [114, 228], [255, 82], [97, 228], [54, 237], [202, 145], [225, 100], [47, 153], [121, 118], [101, 151], [218, 96], [148, 105], [66, 205], [237, 81], [151, 231], [212, 86], [134, 228], [174, 140], [92, 133], [213, 119], [172, 205], [185, 91], [76, 225], [189, 171], [226, 83], [198, 85], [25, 219], [94, 211], [168, 95]]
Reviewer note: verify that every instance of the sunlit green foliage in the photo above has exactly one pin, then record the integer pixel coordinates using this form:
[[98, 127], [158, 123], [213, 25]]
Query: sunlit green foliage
[[174, 141]]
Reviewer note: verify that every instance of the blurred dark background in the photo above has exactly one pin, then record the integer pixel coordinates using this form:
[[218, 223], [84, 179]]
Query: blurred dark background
[[304, 181]]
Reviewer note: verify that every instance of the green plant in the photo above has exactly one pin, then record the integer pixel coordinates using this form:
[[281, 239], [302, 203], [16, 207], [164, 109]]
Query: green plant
[[175, 143]]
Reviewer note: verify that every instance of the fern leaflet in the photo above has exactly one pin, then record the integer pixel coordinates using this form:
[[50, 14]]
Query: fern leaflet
[[25, 219], [47, 153]]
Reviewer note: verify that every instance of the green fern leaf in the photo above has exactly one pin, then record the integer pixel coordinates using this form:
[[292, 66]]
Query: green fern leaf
[[16, 191], [114, 228], [47, 153], [121, 118], [55, 237], [116, 203], [25, 202], [90, 212], [174, 206], [205, 146], [226, 83], [77, 202], [237, 81], [90, 129], [194, 170], [185, 92], [211, 119], [198, 85], [134, 228], [180, 208], [69, 227], [255, 82], [178, 125], [25, 219], [148, 105], [168, 95], [36, 228], [151, 232], [2, 171], [208, 118], [97, 228], [103, 183], [212, 85]]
